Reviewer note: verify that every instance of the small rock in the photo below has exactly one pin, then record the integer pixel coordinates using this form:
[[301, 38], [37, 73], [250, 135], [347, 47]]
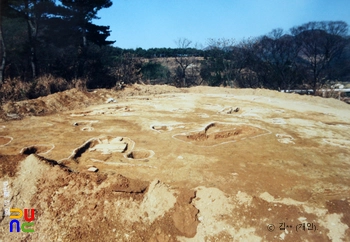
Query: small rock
[[111, 100], [229, 111], [13, 115], [93, 169]]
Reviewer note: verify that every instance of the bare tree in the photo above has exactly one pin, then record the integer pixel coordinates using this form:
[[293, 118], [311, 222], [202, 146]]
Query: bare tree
[[247, 65], [222, 61], [320, 43], [4, 9], [277, 53], [2, 54], [187, 72], [127, 69]]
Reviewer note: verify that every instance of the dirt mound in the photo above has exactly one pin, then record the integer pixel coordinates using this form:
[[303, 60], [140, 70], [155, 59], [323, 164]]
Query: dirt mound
[[148, 90], [123, 184], [74, 99], [114, 206], [57, 102]]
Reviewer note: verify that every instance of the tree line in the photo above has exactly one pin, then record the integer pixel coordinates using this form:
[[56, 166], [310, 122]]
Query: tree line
[[58, 38], [309, 56], [53, 37]]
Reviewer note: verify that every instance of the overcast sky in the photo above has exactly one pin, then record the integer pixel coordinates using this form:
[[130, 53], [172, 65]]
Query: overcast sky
[[158, 23]]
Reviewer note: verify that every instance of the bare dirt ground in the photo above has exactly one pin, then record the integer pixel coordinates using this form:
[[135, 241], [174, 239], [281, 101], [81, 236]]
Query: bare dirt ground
[[198, 164]]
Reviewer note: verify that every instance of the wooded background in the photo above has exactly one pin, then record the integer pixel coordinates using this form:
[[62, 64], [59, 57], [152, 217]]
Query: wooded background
[[48, 46]]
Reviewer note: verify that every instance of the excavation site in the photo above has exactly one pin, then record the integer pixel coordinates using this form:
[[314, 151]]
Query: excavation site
[[166, 164]]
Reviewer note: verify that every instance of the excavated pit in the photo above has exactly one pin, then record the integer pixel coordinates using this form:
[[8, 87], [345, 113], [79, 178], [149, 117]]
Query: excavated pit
[[36, 149], [167, 127], [5, 140], [140, 154], [217, 133], [103, 111], [285, 139], [108, 145], [83, 148], [160, 127], [105, 148], [89, 129], [229, 110]]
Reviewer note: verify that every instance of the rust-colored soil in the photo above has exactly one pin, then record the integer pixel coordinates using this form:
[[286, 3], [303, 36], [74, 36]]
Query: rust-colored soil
[[197, 164], [217, 133]]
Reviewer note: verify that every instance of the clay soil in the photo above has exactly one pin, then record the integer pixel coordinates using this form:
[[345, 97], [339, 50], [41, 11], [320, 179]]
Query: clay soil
[[277, 169]]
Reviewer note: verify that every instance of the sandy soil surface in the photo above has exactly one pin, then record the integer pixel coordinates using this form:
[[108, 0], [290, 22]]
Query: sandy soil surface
[[166, 164]]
